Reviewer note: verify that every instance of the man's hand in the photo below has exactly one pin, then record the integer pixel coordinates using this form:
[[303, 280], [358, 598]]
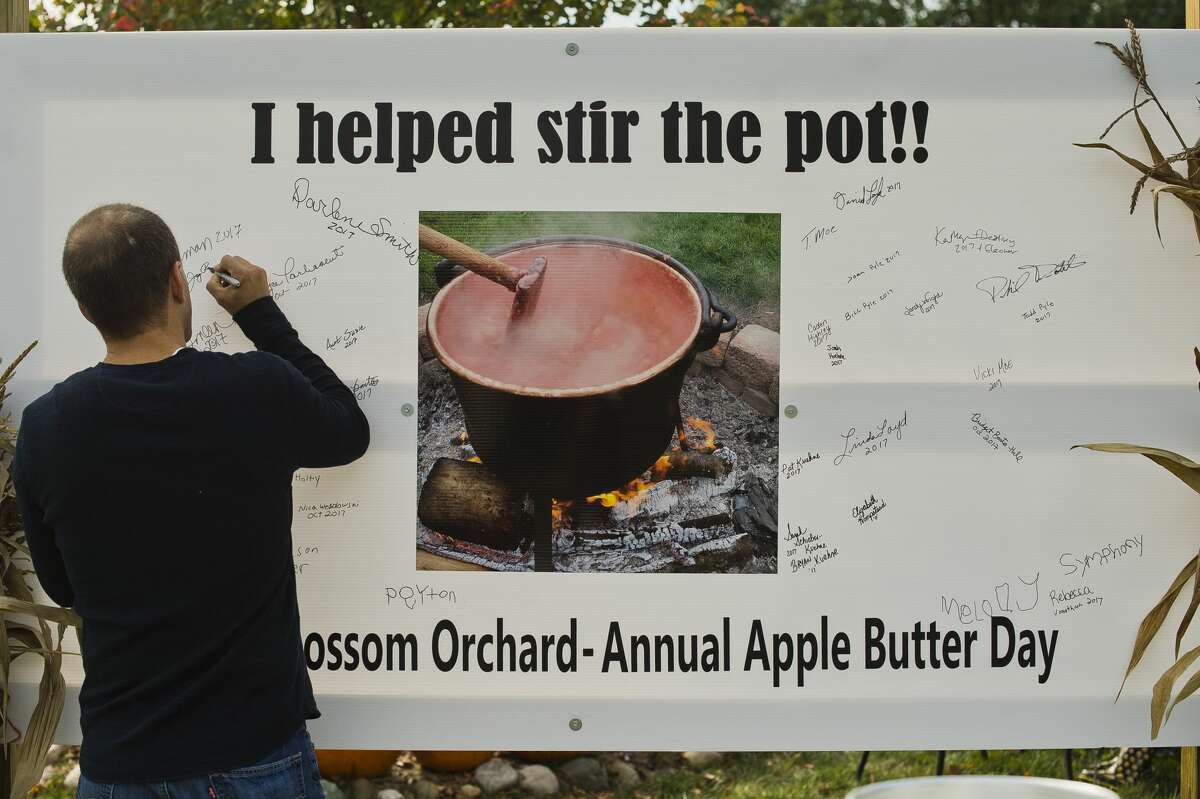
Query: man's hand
[[253, 279]]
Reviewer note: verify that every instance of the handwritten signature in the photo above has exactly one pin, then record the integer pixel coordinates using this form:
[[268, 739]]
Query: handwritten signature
[[210, 336], [993, 437], [793, 468], [978, 610], [817, 234], [869, 510], [293, 271], [875, 439], [924, 305], [413, 596], [816, 550], [348, 224], [1072, 563], [346, 339], [978, 240], [998, 287], [867, 196]]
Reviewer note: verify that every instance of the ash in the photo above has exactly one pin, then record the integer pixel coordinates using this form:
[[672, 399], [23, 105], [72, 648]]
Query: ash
[[694, 524]]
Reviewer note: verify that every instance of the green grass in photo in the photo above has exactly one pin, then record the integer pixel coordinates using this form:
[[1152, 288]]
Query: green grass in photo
[[736, 255]]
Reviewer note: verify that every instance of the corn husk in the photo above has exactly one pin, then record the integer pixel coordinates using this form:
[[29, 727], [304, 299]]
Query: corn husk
[[25, 630], [1185, 187]]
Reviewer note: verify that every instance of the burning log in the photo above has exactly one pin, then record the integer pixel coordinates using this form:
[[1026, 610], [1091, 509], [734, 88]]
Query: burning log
[[678, 464], [466, 500], [663, 497]]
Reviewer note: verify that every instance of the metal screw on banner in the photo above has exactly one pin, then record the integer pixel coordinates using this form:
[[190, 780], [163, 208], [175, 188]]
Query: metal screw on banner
[[790, 411], [572, 48], [576, 725], [406, 409]]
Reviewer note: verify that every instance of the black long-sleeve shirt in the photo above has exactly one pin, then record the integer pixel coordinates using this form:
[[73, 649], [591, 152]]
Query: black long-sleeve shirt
[[157, 501]]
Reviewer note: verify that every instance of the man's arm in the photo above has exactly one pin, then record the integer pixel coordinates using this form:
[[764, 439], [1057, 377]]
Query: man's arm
[[330, 428], [47, 560]]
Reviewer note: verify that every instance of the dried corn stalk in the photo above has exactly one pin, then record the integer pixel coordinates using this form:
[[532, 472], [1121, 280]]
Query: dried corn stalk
[[24, 629], [1161, 702], [1185, 185]]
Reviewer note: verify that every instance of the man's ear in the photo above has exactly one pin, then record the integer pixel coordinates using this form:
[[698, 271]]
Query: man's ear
[[179, 288], [85, 313]]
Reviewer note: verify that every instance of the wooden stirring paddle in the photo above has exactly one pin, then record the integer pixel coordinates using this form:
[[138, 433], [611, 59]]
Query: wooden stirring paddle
[[525, 284]]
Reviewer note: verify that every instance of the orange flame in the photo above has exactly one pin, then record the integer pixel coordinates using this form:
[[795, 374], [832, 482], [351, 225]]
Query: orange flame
[[710, 438], [559, 508], [609, 499]]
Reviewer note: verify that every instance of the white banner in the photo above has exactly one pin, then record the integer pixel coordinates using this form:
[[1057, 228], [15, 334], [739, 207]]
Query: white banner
[[938, 295]]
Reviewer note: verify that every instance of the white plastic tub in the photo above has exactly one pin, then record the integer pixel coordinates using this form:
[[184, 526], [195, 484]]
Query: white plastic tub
[[981, 788]]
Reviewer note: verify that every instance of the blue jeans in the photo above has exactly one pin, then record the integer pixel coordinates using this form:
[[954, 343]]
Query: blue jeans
[[289, 772]]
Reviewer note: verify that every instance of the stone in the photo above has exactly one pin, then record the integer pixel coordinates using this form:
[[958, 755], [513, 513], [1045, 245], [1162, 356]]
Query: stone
[[431, 377], [701, 759], [753, 357], [495, 775], [760, 402], [71, 781], [424, 789], [331, 789], [424, 348], [389, 793], [715, 358], [538, 781], [362, 788], [624, 775], [585, 773], [731, 383], [469, 791], [773, 391]]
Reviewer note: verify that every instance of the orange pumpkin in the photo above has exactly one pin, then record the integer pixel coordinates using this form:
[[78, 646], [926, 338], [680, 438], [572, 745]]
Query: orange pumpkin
[[438, 760], [353, 763]]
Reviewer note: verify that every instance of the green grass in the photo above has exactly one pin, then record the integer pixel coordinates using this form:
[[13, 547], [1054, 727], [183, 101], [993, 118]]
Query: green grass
[[823, 775], [735, 255]]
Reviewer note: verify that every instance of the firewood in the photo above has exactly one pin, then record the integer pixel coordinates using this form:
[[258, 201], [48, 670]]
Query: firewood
[[711, 520], [468, 501], [681, 464], [755, 512], [725, 560]]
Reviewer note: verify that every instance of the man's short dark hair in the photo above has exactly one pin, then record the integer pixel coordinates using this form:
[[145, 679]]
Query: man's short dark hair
[[117, 262]]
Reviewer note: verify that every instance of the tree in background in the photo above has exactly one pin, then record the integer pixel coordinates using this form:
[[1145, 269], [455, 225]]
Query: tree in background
[[124, 15], [58, 15], [942, 13], [1056, 13]]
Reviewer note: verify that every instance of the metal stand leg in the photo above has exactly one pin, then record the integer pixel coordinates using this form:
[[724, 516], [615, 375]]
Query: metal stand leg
[[543, 534], [941, 763], [1069, 763], [862, 765]]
